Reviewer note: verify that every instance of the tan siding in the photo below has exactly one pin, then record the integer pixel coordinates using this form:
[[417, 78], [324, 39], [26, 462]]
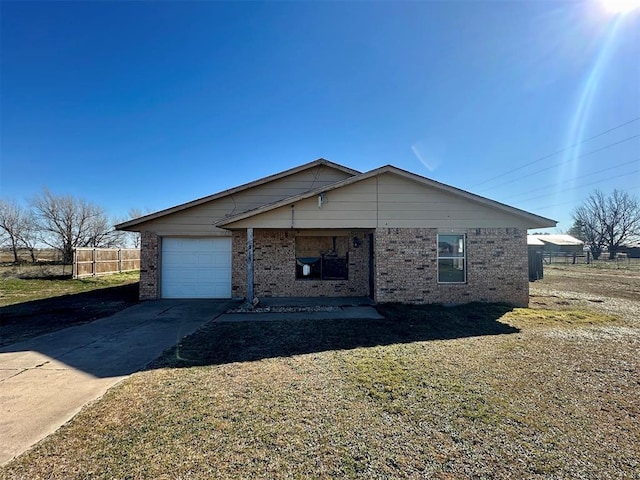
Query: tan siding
[[402, 203], [353, 206], [279, 218], [199, 220]]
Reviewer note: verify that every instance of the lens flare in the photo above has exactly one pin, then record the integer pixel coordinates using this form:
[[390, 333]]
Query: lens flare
[[620, 6], [582, 115]]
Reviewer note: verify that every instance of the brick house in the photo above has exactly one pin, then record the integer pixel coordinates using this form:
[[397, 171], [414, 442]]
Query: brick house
[[322, 229]]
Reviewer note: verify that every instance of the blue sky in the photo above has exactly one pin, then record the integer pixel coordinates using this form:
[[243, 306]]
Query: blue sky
[[150, 104]]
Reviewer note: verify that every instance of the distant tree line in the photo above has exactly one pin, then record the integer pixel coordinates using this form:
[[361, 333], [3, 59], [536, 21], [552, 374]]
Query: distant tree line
[[607, 222], [61, 222]]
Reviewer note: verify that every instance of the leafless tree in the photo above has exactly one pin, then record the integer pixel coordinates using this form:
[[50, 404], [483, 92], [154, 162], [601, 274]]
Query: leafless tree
[[131, 239], [608, 221], [102, 234], [66, 222], [134, 237], [30, 236], [17, 226]]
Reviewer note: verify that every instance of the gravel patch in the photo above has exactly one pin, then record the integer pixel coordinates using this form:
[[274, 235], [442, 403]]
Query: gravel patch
[[595, 333], [305, 309]]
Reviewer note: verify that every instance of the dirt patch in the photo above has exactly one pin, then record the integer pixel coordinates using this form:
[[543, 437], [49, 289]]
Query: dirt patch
[[25, 320], [614, 292]]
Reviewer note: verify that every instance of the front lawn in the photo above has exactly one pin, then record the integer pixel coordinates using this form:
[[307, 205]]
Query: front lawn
[[430, 392]]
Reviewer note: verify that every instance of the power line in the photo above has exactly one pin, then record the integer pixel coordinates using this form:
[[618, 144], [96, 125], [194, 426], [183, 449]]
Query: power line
[[562, 163], [557, 152], [582, 186], [573, 179], [546, 207], [585, 184]]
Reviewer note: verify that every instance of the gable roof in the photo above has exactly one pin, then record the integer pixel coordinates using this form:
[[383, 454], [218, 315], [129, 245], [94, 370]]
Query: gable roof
[[536, 220], [231, 191]]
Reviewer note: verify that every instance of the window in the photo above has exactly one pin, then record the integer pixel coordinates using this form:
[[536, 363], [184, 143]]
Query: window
[[452, 259], [322, 258]]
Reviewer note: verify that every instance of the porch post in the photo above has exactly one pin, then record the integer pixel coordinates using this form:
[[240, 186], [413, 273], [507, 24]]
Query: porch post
[[249, 264]]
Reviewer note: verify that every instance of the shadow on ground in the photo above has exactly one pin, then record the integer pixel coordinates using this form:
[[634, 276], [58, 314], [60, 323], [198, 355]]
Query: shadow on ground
[[226, 342], [29, 319]]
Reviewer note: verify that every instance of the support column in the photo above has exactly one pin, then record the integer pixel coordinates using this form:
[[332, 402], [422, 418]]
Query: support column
[[249, 264], [149, 266]]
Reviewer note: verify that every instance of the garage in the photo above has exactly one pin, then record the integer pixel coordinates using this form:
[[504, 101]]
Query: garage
[[196, 267]]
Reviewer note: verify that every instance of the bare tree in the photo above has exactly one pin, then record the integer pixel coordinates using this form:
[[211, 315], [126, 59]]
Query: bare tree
[[608, 221], [10, 213], [17, 227], [130, 239], [134, 237], [66, 222], [102, 234], [29, 237]]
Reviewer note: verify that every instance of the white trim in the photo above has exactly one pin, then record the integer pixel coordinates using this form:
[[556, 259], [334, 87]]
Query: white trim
[[463, 258]]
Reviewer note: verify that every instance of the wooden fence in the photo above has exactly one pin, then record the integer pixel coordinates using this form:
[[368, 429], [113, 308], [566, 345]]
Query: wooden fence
[[88, 262]]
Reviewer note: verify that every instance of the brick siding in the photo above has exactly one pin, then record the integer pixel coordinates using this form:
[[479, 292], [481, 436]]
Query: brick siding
[[407, 258], [149, 260], [274, 254], [239, 264], [405, 267]]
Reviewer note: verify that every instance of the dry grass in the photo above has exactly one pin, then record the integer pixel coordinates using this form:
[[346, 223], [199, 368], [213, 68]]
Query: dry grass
[[35, 270], [41, 254], [469, 392]]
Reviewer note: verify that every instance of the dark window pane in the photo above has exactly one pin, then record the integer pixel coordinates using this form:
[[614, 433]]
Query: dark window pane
[[451, 270], [334, 268], [322, 258]]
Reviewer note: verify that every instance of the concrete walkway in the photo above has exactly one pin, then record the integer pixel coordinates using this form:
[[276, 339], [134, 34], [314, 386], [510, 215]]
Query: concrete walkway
[[45, 381]]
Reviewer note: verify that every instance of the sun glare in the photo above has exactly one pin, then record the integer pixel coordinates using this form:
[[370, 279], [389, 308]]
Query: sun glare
[[620, 6]]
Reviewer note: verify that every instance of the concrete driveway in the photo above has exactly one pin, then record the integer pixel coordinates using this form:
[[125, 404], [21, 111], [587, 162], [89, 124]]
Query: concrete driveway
[[45, 381]]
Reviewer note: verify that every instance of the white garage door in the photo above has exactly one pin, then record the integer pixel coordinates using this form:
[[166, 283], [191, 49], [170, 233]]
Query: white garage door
[[196, 267]]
